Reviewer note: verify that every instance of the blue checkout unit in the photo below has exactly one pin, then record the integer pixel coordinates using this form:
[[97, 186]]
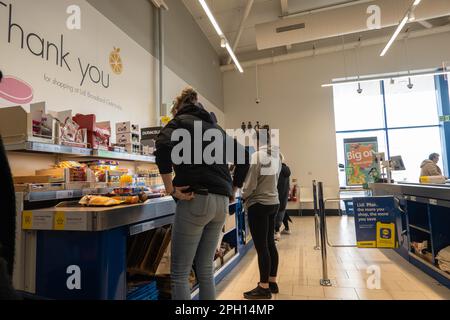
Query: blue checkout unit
[[71, 252], [424, 218]]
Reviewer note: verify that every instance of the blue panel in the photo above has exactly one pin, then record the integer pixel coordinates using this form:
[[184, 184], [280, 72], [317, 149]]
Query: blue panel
[[436, 275], [100, 257], [443, 100]]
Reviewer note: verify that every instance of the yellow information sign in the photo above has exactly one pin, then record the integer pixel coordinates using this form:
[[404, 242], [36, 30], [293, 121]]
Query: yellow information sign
[[60, 221], [27, 220]]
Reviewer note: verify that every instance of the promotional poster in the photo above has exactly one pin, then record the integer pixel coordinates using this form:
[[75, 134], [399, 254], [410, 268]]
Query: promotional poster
[[360, 165]]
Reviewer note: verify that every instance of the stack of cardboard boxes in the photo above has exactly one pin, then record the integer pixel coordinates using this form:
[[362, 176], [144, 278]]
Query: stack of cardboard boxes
[[127, 136]]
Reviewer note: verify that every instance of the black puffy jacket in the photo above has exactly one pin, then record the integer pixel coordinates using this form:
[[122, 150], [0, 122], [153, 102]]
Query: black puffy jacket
[[7, 227], [197, 174], [283, 186]]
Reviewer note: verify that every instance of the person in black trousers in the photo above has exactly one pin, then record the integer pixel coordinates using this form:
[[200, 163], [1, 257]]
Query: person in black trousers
[[283, 194], [7, 226], [261, 201]]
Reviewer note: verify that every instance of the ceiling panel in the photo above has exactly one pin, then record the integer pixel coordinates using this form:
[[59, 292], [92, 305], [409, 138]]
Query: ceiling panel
[[229, 14]]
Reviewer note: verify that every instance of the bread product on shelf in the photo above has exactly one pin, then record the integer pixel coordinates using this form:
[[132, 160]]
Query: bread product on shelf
[[127, 199], [99, 201]]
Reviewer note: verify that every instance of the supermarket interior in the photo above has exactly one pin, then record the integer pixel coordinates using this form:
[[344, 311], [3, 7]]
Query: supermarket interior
[[224, 150]]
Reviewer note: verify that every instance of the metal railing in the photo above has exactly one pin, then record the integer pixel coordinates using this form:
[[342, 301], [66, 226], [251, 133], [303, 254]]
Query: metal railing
[[320, 224]]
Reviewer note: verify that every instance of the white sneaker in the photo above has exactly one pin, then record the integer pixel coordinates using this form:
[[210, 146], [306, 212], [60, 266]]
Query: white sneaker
[[286, 231], [277, 236]]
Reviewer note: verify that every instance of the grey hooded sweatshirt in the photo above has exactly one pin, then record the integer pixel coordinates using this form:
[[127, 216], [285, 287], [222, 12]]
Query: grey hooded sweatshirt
[[260, 186]]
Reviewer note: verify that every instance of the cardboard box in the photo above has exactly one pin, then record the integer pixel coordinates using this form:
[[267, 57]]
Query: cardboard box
[[126, 127], [16, 125], [230, 223], [32, 179], [230, 254], [55, 174], [127, 138]]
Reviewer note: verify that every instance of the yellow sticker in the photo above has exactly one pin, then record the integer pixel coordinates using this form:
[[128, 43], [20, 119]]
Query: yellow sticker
[[27, 220], [60, 221]]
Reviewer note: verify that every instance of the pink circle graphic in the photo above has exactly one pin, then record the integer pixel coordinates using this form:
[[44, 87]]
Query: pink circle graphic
[[15, 90]]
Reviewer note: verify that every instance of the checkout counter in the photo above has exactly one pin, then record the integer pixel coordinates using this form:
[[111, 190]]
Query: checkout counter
[[72, 252], [424, 219]]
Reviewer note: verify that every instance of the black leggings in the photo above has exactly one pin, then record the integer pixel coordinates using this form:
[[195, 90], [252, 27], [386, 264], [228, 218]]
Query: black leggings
[[261, 220]]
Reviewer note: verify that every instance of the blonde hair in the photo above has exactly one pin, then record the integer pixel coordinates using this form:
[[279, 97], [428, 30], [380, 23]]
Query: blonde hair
[[187, 96]]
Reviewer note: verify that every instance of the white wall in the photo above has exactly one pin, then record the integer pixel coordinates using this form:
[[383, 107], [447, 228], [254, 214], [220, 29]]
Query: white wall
[[294, 101]]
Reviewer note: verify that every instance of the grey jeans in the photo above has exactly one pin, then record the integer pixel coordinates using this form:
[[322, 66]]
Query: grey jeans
[[195, 237]]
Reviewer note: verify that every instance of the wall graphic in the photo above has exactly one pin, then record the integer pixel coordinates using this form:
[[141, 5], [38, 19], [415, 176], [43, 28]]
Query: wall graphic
[[360, 166], [96, 69]]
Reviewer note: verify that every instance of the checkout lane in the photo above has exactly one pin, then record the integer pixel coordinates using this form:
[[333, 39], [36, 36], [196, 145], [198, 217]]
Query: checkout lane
[[423, 225]]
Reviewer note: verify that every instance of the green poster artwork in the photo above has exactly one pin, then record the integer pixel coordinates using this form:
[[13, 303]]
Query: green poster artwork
[[360, 165]]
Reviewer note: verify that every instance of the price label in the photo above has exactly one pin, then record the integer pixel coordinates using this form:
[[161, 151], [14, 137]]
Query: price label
[[27, 220], [413, 199], [433, 202], [87, 192], [60, 221], [65, 194]]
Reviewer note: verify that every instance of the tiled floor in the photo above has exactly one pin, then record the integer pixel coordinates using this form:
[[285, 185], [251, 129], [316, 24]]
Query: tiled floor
[[301, 269]]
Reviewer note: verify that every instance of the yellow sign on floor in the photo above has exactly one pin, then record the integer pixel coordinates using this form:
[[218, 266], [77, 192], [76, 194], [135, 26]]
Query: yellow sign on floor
[[386, 235]]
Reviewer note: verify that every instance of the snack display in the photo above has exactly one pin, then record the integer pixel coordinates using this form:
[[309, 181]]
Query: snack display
[[77, 171]]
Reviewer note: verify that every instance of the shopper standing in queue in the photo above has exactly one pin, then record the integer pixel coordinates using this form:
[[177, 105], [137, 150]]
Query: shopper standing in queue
[[283, 195], [202, 191], [261, 201], [7, 225]]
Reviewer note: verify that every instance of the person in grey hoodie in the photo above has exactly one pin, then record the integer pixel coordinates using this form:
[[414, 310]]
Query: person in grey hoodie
[[429, 167], [261, 201]]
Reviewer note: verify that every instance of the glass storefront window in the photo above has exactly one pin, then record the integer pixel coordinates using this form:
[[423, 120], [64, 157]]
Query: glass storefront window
[[406, 110], [414, 145], [355, 111], [411, 107]]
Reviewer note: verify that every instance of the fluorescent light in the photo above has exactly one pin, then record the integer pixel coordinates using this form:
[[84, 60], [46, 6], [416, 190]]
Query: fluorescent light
[[233, 56], [395, 35], [406, 18], [211, 18], [388, 77], [223, 40]]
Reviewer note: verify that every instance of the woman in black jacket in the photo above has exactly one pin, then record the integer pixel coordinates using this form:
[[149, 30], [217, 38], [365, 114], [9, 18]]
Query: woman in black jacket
[[201, 187], [7, 226], [283, 194]]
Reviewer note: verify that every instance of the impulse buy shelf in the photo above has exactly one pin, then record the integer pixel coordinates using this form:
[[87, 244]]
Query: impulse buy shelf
[[426, 220], [40, 147], [72, 217], [73, 252]]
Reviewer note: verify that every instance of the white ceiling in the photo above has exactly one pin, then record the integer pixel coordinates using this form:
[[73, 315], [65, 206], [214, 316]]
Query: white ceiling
[[229, 14]]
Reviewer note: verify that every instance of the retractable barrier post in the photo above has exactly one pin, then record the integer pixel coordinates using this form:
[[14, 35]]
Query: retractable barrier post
[[323, 241], [316, 215]]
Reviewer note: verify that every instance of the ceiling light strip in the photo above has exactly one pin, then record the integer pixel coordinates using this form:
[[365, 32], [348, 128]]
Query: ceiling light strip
[[400, 27], [224, 41]]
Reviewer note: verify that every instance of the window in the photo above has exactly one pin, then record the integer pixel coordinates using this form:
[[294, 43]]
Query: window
[[366, 107], [414, 145], [411, 107], [405, 121]]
